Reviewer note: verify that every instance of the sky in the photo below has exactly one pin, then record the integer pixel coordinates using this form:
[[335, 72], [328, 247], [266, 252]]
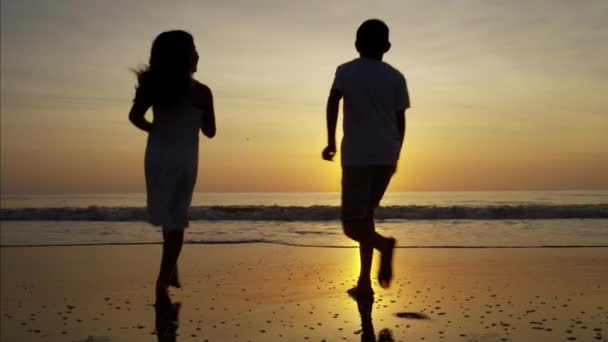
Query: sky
[[506, 95]]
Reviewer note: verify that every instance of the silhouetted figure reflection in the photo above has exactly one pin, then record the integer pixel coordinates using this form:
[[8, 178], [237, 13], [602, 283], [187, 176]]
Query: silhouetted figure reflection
[[167, 321], [365, 304]]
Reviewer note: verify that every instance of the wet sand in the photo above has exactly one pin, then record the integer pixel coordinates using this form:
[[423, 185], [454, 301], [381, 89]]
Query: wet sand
[[263, 292]]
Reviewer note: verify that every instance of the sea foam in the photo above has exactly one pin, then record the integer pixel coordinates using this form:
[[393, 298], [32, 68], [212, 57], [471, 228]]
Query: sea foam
[[315, 213]]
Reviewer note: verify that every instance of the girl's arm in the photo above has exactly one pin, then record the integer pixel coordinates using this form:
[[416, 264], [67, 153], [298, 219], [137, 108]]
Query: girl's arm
[[137, 115], [203, 99]]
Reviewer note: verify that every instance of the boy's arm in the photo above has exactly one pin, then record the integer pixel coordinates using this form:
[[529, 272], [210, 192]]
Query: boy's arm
[[401, 124], [137, 115], [403, 103], [203, 100], [333, 105]]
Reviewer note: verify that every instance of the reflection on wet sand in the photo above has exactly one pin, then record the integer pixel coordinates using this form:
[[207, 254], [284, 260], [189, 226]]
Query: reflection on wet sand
[[167, 321], [365, 306]]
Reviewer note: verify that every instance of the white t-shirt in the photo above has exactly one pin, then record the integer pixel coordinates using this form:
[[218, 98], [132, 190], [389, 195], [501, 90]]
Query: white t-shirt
[[373, 93]]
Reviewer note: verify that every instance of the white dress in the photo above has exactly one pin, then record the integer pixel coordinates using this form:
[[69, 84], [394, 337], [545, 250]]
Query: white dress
[[171, 164]]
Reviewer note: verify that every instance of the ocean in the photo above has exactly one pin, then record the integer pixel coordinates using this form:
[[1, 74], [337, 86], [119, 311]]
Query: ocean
[[416, 219]]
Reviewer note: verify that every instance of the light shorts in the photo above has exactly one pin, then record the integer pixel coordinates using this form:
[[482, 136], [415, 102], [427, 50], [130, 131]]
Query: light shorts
[[362, 189]]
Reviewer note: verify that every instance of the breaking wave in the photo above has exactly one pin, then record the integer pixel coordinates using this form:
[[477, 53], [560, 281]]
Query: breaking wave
[[316, 213]]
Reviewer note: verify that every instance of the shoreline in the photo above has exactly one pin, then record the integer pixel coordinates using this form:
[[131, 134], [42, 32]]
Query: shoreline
[[409, 234]]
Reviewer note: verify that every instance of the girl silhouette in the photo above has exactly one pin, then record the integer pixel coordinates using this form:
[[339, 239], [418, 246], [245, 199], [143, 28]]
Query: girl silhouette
[[180, 106]]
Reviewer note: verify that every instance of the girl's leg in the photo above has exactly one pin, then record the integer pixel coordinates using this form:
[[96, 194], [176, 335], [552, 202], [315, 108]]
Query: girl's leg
[[172, 246], [174, 279], [175, 282]]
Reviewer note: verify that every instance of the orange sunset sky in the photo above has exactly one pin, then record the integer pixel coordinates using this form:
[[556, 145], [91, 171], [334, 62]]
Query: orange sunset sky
[[505, 95]]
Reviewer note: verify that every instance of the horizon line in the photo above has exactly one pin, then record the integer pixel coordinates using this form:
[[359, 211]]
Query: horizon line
[[295, 192]]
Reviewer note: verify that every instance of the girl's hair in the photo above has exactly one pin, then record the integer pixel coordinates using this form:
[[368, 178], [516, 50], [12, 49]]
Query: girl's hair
[[168, 75]]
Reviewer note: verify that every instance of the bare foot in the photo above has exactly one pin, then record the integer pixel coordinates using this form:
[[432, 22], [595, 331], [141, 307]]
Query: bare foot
[[385, 274], [175, 280], [361, 292]]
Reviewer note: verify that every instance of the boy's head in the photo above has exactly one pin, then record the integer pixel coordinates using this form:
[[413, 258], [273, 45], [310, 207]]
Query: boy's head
[[372, 38]]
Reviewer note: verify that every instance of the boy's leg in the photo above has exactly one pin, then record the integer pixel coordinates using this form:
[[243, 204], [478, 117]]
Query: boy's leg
[[366, 253], [367, 244], [362, 189], [356, 221], [352, 229], [382, 175]]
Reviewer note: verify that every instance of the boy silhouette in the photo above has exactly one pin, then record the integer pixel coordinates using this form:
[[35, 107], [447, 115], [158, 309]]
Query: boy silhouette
[[375, 99]]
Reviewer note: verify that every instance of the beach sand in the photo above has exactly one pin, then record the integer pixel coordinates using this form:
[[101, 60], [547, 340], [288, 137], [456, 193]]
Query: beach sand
[[264, 292]]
